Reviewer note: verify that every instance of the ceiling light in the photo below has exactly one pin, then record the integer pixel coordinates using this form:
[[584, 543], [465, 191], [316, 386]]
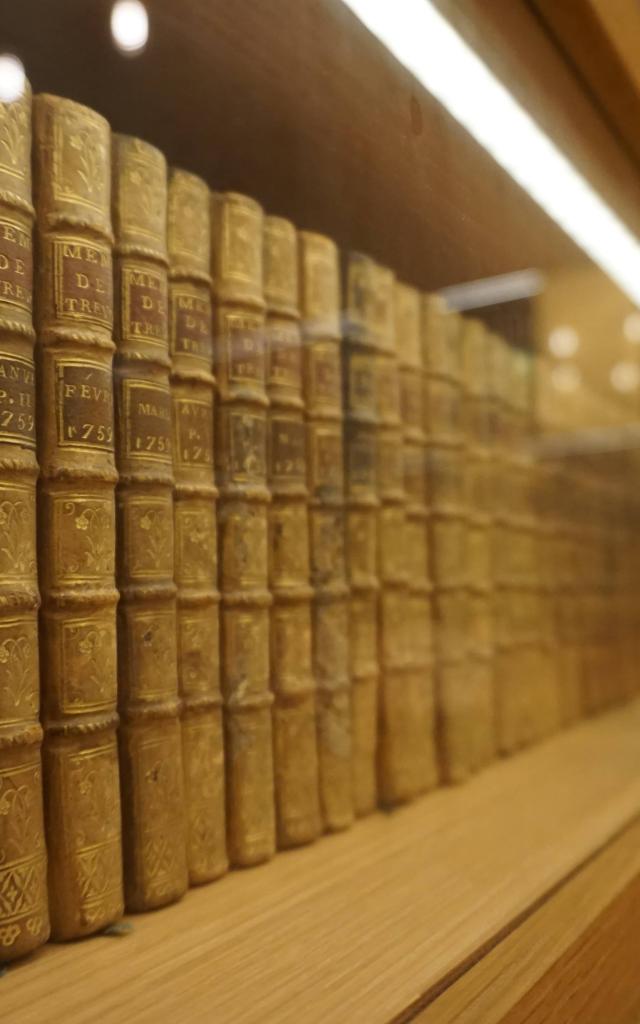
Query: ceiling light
[[12, 78], [563, 342], [625, 376], [566, 378], [631, 328], [129, 25], [427, 45]]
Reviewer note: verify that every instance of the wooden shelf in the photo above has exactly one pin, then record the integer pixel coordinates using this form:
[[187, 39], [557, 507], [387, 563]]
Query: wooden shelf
[[367, 926]]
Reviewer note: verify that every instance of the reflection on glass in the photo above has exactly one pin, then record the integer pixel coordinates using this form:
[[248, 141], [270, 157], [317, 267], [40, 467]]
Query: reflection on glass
[[12, 78], [129, 25]]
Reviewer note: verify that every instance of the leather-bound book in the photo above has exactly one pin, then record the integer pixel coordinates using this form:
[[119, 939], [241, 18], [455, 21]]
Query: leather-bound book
[[597, 690], [361, 486], [518, 576], [196, 549], [241, 467], [539, 686], [155, 867], [545, 520], [444, 428], [76, 516], [295, 753], [24, 912], [418, 691], [322, 374], [480, 669], [622, 568], [568, 556], [507, 651], [397, 747]]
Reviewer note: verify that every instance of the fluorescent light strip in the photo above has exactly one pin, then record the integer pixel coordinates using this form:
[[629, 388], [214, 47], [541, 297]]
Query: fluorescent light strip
[[490, 291], [426, 44]]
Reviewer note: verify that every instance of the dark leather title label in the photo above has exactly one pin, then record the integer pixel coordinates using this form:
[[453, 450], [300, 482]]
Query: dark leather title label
[[288, 449], [388, 391], [17, 400], [147, 420], [194, 432], [84, 404], [325, 375], [411, 400], [144, 305], [191, 323], [285, 364], [327, 459], [362, 460], [362, 396], [83, 282], [16, 265], [245, 348], [247, 446], [390, 463]]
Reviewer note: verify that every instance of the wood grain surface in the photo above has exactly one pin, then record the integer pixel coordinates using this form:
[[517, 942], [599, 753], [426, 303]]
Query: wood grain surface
[[575, 959], [365, 925]]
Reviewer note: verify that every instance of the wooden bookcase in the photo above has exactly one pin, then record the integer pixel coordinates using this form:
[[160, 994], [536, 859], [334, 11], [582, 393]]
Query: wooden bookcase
[[515, 897]]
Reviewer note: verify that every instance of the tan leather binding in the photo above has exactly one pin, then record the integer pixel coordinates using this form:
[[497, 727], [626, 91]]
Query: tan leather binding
[[322, 374], [196, 554], [361, 486], [294, 723], [77, 516], [241, 464], [24, 913], [150, 747]]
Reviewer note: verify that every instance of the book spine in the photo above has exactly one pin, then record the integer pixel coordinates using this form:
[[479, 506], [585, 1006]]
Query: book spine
[[597, 688], [478, 539], [542, 703], [546, 515], [362, 526], [76, 516], [24, 911], [419, 729], [508, 662], [441, 339], [397, 747], [622, 558], [241, 456], [322, 376], [195, 529], [567, 557], [294, 725], [150, 747]]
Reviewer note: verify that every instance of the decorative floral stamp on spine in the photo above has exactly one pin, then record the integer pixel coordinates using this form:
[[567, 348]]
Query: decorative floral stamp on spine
[[24, 912], [361, 482], [294, 722], [155, 858], [322, 377], [196, 556], [76, 516], [419, 698], [241, 470]]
